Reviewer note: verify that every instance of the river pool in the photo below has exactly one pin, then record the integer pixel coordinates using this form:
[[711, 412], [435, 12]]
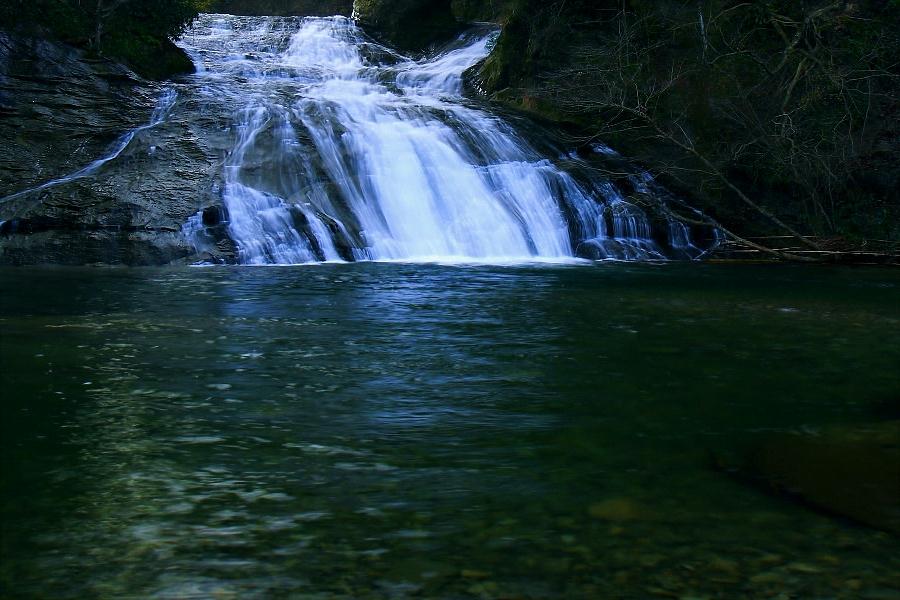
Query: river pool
[[425, 431]]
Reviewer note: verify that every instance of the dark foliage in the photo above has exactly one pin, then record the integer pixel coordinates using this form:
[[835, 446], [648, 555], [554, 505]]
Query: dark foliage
[[136, 31], [322, 8], [788, 106], [410, 25]]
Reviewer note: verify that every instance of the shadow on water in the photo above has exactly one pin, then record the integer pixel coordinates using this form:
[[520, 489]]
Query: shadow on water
[[373, 430]]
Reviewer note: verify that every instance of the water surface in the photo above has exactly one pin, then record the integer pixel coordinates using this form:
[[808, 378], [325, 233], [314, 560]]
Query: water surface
[[391, 431]]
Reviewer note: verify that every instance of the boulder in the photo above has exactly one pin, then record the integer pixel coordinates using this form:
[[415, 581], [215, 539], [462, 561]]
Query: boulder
[[851, 472], [409, 25]]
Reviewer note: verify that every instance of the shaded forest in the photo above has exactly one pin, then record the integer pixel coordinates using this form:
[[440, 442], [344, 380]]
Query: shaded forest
[[779, 118]]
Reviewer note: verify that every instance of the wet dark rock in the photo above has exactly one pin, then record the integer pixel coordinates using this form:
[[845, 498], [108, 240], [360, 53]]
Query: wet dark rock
[[341, 238], [211, 242], [214, 246], [93, 246], [215, 215], [63, 110], [302, 226]]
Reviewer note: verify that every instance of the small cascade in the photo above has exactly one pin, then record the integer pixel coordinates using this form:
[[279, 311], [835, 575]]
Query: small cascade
[[345, 150]]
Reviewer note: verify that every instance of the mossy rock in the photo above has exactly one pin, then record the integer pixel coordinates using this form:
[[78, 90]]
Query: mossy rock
[[153, 58], [477, 10], [409, 25], [287, 8]]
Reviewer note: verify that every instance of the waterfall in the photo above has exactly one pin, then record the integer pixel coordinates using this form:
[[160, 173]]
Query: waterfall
[[345, 150]]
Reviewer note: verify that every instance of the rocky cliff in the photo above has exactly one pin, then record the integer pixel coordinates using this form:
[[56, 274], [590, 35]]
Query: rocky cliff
[[61, 112]]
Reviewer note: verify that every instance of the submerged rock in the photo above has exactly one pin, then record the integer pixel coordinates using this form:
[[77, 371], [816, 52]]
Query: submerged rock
[[617, 509], [849, 472]]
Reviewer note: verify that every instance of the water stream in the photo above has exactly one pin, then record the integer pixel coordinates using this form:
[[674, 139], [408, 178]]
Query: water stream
[[346, 150]]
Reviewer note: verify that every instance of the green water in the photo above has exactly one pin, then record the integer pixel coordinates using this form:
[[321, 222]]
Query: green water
[[394, 431]]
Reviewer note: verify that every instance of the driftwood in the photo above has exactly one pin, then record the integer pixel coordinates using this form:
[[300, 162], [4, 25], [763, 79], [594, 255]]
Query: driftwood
[[832, 250]]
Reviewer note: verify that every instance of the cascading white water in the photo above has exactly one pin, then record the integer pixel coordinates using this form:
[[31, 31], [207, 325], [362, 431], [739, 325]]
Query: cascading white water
[[344, 149]]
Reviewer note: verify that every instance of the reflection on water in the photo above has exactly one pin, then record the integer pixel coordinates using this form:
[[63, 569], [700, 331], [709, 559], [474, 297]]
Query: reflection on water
[[369, 431]]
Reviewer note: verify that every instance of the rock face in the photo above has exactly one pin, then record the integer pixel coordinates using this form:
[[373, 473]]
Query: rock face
[[59, 113], [287, 8], [409, 25]]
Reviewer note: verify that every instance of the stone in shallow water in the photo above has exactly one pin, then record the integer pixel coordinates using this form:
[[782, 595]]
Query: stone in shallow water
[[852, 472], [474, 574], [616, 509], [723, 565]]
